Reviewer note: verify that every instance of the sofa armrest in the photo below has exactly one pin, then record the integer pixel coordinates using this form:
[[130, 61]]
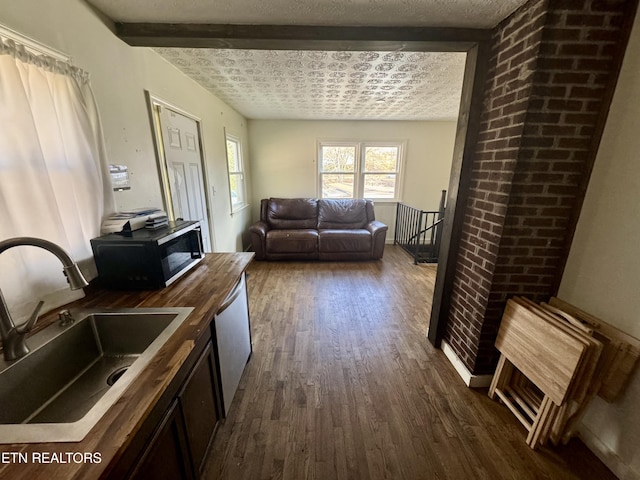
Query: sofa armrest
[[378, 236], [375, 226], [258, 232]]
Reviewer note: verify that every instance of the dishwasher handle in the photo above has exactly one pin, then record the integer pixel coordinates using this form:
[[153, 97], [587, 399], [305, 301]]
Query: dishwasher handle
[[237, 290]]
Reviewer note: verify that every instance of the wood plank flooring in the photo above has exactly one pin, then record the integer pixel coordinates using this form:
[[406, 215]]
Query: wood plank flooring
[[343, 384]]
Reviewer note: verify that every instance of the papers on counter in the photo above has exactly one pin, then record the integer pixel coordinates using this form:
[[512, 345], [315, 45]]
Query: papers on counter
[[129, 220]]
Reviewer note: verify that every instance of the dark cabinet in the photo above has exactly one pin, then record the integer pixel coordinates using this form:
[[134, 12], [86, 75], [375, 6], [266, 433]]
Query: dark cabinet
[[167, 456], [199, 409], [177, 448]]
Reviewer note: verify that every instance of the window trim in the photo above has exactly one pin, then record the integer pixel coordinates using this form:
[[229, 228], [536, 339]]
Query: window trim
[[359, 172], [237, 206]]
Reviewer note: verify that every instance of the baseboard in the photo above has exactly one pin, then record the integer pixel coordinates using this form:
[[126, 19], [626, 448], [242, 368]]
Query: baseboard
[[620, 469], [470, 380]]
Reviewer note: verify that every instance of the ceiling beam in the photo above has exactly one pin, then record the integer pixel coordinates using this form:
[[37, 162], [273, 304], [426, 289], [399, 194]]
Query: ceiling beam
[[294, 37]]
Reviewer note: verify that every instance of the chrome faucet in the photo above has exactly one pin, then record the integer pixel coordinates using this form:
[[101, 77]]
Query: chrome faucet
[[13, 338]]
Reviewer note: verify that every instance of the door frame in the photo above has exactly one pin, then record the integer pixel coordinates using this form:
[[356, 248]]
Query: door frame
[[154, 101], [474, 42]]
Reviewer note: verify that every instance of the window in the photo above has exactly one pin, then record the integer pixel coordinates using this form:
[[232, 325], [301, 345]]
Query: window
[[337, 171], [236, 174], [360, 170]]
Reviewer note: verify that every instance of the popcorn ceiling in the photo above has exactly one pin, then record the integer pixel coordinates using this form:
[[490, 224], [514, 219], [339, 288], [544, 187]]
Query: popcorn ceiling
[[433, 13], [323, 85], [284, 84]]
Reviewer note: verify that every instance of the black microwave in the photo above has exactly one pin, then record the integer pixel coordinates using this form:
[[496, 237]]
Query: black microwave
[[147, 259]]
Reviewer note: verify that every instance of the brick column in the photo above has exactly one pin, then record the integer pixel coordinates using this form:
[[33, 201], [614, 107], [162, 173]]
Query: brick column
[[553, 70]]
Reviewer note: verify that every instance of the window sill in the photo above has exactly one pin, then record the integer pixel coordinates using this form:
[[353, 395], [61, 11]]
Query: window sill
[[377, 201], [239, 208]]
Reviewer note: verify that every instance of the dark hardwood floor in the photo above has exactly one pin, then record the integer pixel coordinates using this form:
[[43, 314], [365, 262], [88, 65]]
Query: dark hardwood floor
[[343, 384]]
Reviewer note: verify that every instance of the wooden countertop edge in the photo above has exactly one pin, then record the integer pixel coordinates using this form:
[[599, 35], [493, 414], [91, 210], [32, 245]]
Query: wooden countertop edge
[[203, 288]]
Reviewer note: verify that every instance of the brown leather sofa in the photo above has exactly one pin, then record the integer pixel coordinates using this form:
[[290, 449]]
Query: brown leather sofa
[[322, 229]]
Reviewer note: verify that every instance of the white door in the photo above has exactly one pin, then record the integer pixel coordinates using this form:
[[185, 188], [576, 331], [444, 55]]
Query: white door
[[183, 162]]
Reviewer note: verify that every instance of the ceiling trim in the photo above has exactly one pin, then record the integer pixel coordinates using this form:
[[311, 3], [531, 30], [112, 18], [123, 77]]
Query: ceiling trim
[[295, 37]]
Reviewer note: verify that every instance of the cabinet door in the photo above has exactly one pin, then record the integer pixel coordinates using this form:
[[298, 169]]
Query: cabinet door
[[200, 407], [166, 457]]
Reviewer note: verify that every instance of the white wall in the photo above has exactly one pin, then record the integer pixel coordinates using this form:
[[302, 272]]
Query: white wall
[[119, 76], [602, 275], [284, 153]]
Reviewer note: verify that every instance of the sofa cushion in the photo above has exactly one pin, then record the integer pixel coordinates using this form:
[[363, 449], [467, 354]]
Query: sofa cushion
[[342, 213], [292, 241], [288, 213], [350, 240]]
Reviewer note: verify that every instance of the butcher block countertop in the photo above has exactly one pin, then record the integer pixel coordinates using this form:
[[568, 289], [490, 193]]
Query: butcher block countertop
[[204, 288]]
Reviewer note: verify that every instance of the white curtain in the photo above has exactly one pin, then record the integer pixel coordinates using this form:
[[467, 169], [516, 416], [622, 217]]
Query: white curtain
[[54, 180]]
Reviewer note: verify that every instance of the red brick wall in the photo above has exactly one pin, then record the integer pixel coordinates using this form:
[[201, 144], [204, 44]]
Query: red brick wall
[[553, 67]]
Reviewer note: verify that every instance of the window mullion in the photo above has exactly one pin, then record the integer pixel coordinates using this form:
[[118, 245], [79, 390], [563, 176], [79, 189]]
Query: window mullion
[[359, 173]]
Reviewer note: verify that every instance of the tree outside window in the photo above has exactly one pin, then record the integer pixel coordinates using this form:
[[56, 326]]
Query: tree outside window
[[338, 171], [380, 175], [360, 170]]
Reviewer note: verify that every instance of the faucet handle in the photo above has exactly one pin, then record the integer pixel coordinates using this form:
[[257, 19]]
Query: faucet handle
[[65, 318], [28, 326]]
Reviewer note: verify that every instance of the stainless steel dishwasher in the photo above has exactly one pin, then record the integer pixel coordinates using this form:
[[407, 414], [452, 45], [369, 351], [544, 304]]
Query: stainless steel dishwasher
[[232, 333]]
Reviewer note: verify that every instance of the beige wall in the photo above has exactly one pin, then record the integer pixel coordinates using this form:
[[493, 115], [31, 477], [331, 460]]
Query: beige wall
[[283, 158], [602, 275], [119, 76]]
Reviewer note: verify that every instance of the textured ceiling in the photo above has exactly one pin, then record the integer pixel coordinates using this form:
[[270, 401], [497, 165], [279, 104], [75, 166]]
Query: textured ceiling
[[285, 84], [322, 85], [434, 13]]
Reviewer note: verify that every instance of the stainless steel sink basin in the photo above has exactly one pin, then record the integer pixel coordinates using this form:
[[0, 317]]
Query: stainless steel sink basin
[[73, 374]]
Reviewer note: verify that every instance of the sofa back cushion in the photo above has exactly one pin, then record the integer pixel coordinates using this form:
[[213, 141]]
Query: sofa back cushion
[[342, 213], [292, 213]]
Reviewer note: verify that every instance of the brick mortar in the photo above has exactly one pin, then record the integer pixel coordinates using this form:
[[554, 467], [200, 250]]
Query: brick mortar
[[532, 161], [467, 305]]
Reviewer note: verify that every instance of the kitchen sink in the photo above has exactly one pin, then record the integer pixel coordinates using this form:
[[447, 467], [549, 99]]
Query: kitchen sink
[[74, 373]]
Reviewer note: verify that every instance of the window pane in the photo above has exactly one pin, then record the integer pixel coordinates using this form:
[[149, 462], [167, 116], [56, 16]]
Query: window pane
[[337, 186], [381, 159], [338, 159], [380, 186], [236, 186], [233, 156]]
